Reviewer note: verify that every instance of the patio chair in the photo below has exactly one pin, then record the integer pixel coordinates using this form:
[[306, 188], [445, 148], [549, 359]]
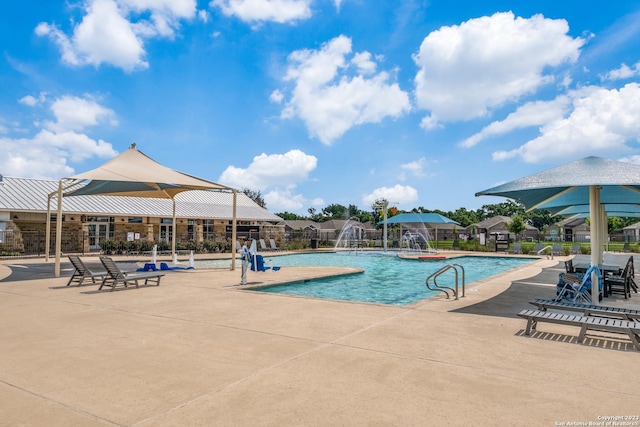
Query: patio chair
[[575, 250], [576, 287], [115, 276], [537, 248], [517, 248], [557, 249], [620, 283], [82, 272], [273, 245], [568, 266], [263, 246]]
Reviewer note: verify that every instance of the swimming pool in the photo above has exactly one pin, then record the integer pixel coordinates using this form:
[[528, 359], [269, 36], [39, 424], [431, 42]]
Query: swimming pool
[[387, 279]]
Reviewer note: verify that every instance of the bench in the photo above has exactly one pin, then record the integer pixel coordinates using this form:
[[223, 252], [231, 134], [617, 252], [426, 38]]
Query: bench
[[618, 326], [587, 309], [114, 276]]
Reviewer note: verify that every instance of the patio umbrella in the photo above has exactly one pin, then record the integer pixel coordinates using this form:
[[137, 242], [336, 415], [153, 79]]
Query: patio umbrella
[[421, 218], [132, 173], [591, 184]]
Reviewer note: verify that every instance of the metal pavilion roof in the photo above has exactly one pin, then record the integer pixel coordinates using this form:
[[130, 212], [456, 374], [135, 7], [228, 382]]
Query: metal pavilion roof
[[30, 195], [568, 185], [425, 218]]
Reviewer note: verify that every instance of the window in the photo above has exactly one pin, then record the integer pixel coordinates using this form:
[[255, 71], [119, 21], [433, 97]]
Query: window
[[208, 229], [135, 220]]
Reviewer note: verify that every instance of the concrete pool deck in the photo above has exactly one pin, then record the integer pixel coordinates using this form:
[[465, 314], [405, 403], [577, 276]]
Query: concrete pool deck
[[198, 351]]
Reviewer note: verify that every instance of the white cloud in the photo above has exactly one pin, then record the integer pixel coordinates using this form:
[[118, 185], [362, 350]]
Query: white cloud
[[108, 34], [284, 200], [601, 120], [364, 63], [397, 194], [330, 100], [624, 72], [467, 69], [416, 168], [73, 113], [535, 113], [276, 96], [28, 100], [204, 16], [281, 11], [46, 154], [274, 170]]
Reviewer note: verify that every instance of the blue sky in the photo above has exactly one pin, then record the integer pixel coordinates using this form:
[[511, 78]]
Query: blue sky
[[315, 102]]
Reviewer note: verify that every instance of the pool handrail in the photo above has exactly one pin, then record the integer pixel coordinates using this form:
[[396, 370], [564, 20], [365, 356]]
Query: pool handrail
[[442, 270]]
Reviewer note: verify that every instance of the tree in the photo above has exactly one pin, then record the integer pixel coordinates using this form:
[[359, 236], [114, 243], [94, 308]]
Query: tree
[[255, 196], [541, 219], [516, 226], [334, 211], [288, 216]]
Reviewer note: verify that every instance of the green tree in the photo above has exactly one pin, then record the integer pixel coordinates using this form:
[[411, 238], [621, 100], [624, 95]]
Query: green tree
[[288, 216], [255, 196], [541, 219], [516, 226], [334, 211]]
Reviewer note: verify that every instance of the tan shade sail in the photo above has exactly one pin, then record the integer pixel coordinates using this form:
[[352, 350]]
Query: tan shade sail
[[132, 173]]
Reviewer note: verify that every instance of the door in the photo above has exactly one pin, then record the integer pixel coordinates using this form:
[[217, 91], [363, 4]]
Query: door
[[166, 232], [98, 232]]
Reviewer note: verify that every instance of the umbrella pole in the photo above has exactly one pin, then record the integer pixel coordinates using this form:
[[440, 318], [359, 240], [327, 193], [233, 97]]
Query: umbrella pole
[[173, 231], [47, 236], [234, 231], [596, 245], [58, 231]]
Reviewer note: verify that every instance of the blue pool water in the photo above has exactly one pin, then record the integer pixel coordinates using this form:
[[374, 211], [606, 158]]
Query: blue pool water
[[387, 279]]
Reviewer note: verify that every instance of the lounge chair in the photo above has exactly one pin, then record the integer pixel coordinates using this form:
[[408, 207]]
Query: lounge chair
[[557, 249], [619, 326], [263, 246], [517, 248], [587, 309], [273, 245], [115, 276], [82, 272], [537, 248], [575, 250]]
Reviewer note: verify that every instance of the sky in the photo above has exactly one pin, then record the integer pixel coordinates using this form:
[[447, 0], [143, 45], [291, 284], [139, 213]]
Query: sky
[[317, 102]]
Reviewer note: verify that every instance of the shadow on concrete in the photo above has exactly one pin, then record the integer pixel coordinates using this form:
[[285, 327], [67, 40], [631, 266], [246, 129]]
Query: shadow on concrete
[[36, 271], [516, 298]]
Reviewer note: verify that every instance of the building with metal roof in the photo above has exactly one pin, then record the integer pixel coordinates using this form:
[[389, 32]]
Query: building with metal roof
[[202, 215]]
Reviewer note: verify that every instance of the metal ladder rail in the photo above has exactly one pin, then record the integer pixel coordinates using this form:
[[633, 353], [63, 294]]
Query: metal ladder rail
[[442, 270]]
